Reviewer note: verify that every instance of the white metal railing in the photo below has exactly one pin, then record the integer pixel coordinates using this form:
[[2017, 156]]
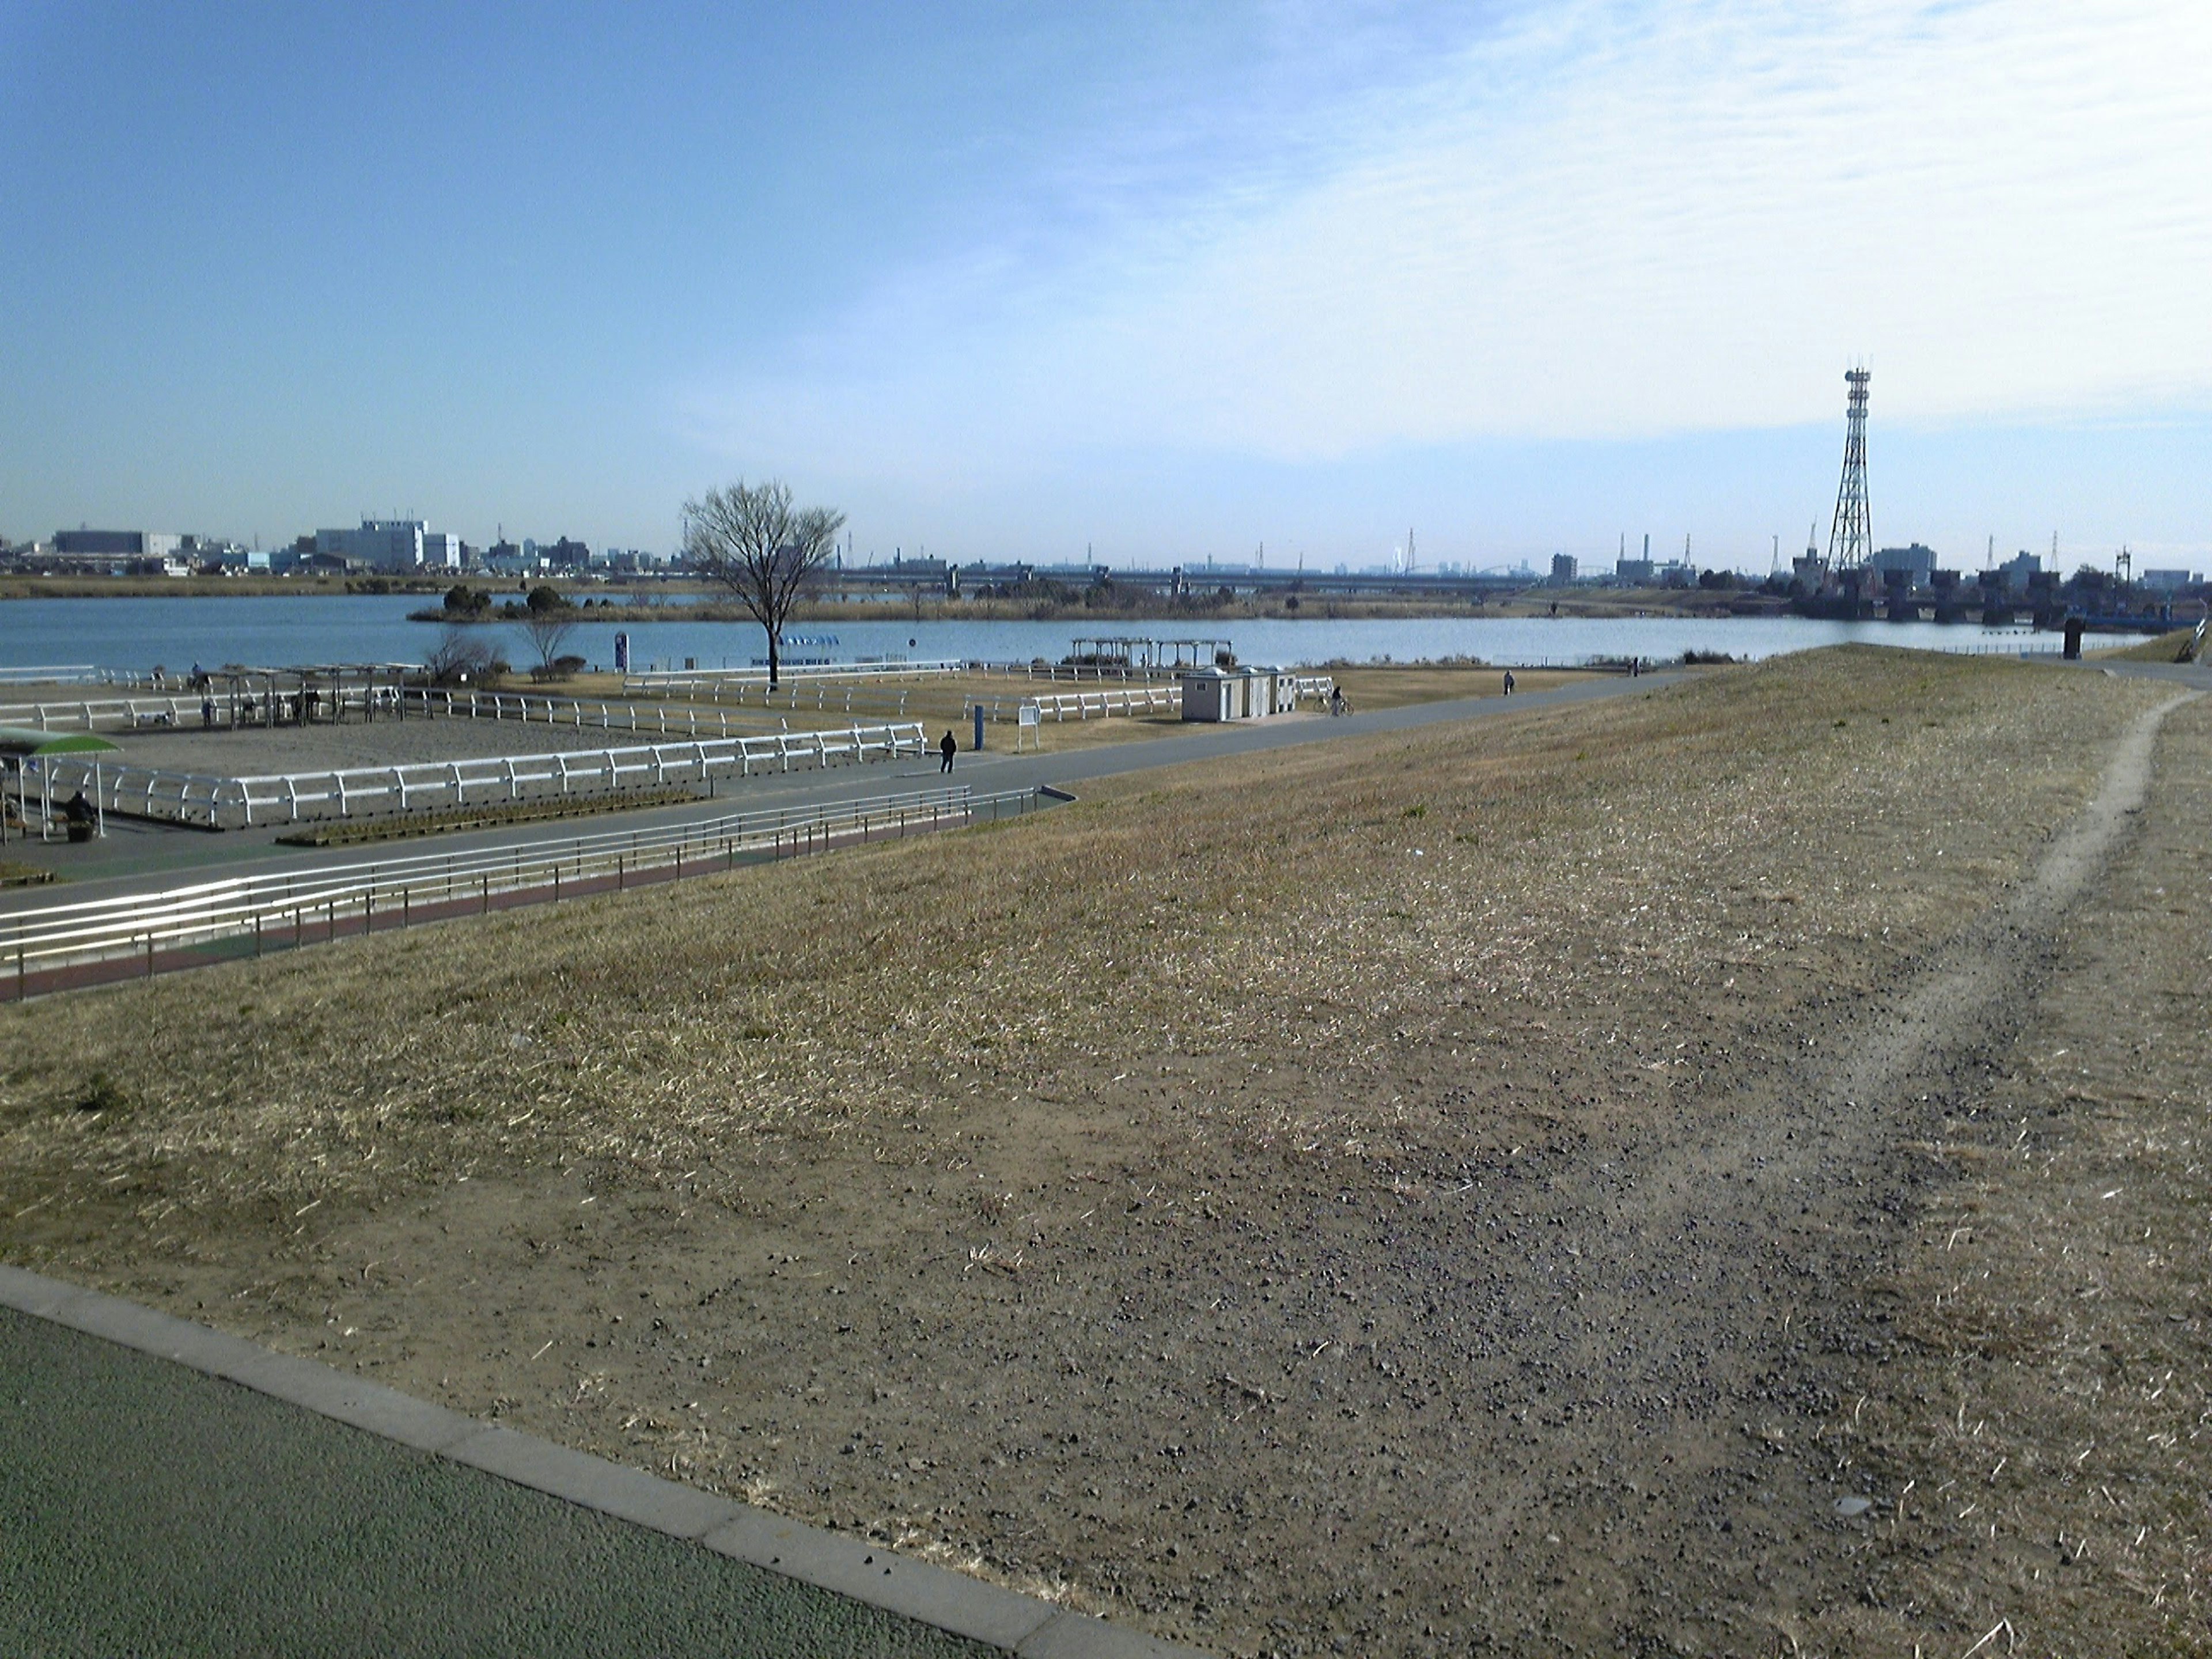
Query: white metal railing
[[1073, 673], [656, 714], [351, 792], [706, 679], [580, 714], [1083, 705], [327, 901], [75, 673], [212, 709]]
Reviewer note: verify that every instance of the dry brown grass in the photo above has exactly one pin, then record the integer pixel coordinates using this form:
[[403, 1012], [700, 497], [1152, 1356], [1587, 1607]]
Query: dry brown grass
[[2167, 647], [1157, 1168], [1370, 686], [876, 954], [2039, 1424]]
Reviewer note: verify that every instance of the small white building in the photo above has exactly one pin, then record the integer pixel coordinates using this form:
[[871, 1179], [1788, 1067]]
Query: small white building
[[1236, 694]]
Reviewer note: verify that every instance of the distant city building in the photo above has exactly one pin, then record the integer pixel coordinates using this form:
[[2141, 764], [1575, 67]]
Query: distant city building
[[1634, 573], [117, 544], [1916, 561], [2015, 571], [378, 544], [567, 555], [442, 549], [2168, 580], [1562, 570]]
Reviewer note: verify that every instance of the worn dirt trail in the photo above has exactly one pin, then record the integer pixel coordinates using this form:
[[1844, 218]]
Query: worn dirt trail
[[1733, 1296]]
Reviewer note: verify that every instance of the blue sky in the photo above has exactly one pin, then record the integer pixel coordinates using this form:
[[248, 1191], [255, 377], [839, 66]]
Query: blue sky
[[1167, 281]]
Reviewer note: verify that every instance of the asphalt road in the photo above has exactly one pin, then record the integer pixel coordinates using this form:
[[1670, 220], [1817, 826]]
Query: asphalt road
[[147, 1509]]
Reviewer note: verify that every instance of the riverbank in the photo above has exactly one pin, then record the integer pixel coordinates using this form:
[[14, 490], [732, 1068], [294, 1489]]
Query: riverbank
[[303, 629], [591, 607], [207, 587], [1412, 1191], [630, 603]]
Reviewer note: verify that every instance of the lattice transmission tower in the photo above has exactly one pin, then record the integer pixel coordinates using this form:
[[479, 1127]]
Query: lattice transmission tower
[[1851, 541]]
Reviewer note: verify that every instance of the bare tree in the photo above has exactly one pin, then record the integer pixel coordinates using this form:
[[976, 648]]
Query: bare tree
[[756, 543], [459, 657], [548, 629]]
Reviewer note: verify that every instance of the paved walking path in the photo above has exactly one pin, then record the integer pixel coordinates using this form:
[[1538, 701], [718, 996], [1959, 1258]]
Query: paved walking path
[[139, 858], [167, 1489]]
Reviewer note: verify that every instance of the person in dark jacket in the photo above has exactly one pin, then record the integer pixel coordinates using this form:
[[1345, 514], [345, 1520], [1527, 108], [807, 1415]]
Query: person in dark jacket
[[949, 748]]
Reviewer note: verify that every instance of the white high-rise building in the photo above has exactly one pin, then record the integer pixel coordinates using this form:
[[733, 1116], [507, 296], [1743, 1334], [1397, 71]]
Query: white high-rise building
[[381, 543]]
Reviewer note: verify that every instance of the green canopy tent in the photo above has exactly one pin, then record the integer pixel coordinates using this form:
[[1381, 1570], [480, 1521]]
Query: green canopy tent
[[20, 744]]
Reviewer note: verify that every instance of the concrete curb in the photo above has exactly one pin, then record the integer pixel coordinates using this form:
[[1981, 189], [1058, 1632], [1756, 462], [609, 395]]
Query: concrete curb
[[1022, 1625]]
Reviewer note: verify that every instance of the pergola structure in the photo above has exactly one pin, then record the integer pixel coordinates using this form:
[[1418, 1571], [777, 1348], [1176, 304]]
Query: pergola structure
[[235, 696], [1125, 651]]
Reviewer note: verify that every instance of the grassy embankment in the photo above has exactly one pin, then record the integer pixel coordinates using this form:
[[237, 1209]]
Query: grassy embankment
[[2171, 646], [1111, 1096]]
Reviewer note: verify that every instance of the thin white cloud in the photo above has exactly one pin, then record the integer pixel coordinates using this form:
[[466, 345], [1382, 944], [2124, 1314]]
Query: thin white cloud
[[1596, 220]]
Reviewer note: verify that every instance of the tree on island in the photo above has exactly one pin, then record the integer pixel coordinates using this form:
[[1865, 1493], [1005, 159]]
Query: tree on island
[[467, 603], [751, 539]]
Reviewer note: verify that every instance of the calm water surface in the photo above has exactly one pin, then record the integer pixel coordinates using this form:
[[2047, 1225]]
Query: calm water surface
[[176, 633]]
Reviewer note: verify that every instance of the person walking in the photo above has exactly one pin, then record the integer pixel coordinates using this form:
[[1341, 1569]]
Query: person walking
[[948, 747], [1509, 681]]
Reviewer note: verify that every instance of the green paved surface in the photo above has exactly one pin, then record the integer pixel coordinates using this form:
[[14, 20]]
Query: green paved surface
[[147, 1509]]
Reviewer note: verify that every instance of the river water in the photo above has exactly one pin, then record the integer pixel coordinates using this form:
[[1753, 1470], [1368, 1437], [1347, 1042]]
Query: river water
[[286, 630]]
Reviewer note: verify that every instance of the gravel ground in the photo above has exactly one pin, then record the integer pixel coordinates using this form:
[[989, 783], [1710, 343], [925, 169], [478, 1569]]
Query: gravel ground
[[1445, 1196]]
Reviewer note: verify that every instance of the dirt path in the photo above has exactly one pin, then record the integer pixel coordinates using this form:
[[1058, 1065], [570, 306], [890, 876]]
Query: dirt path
[[1765, 1232], [2028, 1406]]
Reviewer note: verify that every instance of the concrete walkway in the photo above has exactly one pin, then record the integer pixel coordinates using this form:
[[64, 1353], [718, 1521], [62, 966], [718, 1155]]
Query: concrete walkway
[[166, 1489], [139, 858]]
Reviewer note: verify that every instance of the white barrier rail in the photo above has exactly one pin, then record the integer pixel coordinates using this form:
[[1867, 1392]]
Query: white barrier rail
[[306, 906], [684, 679], [217, 712], [75, 673], [1083, 705], [580, 714], [876, 696], [1075, 673], [352, 792]]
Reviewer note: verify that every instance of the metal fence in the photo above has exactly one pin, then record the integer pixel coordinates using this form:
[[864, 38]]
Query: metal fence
[[1082, 705], [61, 946], [582, 714], [1075, 673], [738, 681], [216, 711], [352, 792]]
